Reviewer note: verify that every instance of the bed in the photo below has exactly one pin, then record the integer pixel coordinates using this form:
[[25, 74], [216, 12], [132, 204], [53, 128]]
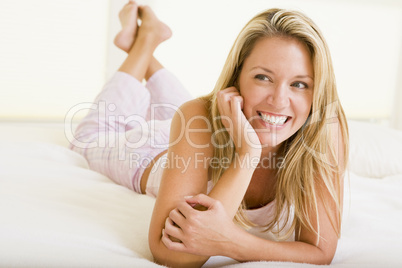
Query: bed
[[56, 212]]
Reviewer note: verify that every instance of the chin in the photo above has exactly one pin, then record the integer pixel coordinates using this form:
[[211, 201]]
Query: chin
[[270, 141]]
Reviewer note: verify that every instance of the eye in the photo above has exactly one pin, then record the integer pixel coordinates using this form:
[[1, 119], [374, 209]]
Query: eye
[[261, 77], [300, 85]]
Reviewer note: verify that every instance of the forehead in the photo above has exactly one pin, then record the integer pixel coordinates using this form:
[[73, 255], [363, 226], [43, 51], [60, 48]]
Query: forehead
[[281, 54]]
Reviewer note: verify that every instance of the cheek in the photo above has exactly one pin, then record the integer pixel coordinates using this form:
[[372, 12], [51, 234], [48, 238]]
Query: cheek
[[304, 107], [247, 109], [299, 105], [249, 102]]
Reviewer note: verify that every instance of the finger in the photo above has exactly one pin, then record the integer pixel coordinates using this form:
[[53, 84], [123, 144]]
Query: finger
[[186, 209], [225, 96], [237, 112], [236, 103], [221, 94], [171, 245], [229, 89], [241, 102], [224, 102], [175, 232], [229, 99], [177, 217], [203, 200], [225, 110]]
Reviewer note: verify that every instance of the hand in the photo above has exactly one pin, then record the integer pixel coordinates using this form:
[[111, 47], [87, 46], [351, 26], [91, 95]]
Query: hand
[[205, 233], [230, 105]]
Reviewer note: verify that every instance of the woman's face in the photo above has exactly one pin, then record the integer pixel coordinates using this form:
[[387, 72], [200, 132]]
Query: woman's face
[[276, 83]]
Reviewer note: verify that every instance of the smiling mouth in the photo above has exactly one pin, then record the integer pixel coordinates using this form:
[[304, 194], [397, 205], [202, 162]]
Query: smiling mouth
[[274, 120]]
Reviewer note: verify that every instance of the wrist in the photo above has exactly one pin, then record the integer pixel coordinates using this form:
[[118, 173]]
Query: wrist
[[252, 150], [235, 249], [248, 160]]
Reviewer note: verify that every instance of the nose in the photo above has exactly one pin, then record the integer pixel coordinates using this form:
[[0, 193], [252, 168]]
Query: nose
[[279, 97]]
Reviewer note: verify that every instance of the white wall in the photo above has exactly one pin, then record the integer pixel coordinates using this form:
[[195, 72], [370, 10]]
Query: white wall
[[55, 54], [52, 56], [396, 116], [365, 38]]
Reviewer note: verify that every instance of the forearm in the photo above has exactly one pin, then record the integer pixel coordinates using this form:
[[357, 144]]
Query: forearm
[[247, 247], [232, 186]]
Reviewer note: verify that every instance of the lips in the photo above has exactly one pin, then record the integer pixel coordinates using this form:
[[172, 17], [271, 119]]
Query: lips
[[273, 119]]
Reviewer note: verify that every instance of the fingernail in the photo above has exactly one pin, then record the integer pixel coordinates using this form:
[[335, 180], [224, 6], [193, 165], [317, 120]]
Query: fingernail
[[188, 196]]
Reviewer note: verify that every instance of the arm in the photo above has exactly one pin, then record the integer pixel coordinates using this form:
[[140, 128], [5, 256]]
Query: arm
[[304, 250], [206, 229], [213, 232], [298, 251], [186, 174], [233, 184], [229, 190]]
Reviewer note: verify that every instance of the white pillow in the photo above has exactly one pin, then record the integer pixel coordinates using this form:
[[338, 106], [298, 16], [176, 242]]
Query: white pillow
[[375, 150]]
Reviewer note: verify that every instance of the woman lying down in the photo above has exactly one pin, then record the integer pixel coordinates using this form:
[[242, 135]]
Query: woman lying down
[[253, 170]]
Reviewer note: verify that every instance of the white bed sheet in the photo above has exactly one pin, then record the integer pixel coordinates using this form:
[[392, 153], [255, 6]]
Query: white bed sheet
[[55, 212]]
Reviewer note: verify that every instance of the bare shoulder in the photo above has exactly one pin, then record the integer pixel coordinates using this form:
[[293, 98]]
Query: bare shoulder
[[195, 107], [191, 121]]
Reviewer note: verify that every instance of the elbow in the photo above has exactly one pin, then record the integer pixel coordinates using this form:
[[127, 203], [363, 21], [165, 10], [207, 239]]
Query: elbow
[[318, 260], [324, 258], [325, 261], [159, 255], [162, 261], [317, 255], [164, 256], [178, 262], [328, 259]]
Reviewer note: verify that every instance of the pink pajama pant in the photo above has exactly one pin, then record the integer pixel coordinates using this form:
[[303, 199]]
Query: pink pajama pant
[[128, 125]]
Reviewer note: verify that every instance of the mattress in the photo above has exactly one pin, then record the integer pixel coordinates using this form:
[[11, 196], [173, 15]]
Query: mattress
[[56, 212]]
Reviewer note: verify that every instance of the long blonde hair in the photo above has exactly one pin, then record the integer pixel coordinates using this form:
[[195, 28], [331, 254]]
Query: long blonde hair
[[309, 156]]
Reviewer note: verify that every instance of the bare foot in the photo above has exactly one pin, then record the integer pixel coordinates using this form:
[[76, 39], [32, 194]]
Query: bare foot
[[128, 19], [152, 27]]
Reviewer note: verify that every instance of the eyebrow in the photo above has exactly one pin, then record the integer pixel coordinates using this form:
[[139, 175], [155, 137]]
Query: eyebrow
[[269, 71]]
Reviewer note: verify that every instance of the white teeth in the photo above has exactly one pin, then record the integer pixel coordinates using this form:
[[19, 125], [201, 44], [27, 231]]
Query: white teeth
[[273, 120], [282, 121]]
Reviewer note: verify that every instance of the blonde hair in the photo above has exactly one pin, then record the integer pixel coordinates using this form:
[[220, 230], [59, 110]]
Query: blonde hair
[[309, 156]]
